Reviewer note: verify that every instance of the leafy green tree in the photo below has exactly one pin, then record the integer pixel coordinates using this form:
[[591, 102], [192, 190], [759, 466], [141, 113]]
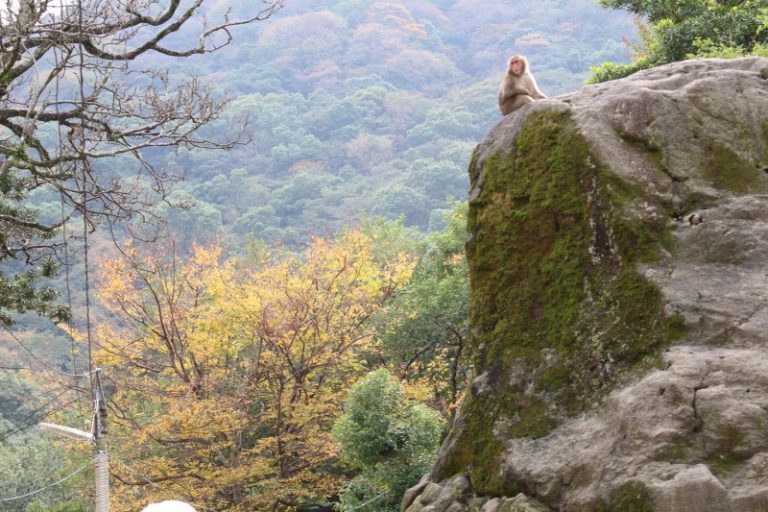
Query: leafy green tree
[[444, 123], [253, 76], [259, 221], [424, 334], [297, 192], [369, 99], [390, 440], [396, 199], [367, 151], [438, 179], [329, 113], [20, 292], [306, 38], [301, 147], [689, 29], [196, 220], [30, 463], [14, 400]]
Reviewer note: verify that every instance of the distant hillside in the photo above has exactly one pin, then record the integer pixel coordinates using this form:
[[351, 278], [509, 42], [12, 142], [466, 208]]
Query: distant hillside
[[370, 106]]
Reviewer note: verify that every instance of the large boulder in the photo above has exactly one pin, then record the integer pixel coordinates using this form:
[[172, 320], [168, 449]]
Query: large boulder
[[618, 252]]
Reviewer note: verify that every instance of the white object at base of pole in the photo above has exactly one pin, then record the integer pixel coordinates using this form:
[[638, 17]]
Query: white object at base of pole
[[169, 506]]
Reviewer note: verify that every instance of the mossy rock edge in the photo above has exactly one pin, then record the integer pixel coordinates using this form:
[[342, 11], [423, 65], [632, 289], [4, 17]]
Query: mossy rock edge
[[559, 312]]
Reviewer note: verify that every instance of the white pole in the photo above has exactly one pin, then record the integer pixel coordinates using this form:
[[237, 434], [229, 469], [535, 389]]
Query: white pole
[[101, 463], [102, 481]]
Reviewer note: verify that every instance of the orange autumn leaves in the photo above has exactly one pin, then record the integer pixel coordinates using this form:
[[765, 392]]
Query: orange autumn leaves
[[229, 374]]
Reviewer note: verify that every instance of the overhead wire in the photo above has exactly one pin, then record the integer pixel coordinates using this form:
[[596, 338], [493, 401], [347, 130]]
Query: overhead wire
[[42, 361], [64, 235], [49, 486], [34, 417], [84, 163]]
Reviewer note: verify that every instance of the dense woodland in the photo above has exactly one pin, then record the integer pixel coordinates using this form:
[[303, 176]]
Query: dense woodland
[[370, 106], [285, 328]]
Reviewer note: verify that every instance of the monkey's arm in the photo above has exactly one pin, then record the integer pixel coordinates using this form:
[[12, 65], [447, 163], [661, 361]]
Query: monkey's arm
[[535, 92], [509, 91], [502, 94], [520, 90]]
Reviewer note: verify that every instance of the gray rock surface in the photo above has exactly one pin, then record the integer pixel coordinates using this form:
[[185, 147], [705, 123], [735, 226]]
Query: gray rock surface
[[691, 435], [450, 496], [693, 489]]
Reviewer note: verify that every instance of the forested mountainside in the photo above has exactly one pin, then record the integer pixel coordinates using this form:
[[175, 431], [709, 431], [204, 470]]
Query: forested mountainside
[[357, 111], [354, 107], [370, 106]]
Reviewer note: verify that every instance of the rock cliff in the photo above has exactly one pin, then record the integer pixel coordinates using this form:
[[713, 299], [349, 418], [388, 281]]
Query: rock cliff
[[618, 251]]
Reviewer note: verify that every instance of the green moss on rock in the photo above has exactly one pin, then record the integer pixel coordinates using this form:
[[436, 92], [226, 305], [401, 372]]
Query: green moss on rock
[[729, 172], [552, 260], [674, 453], [726, 457], [532, 420], [631, 497]]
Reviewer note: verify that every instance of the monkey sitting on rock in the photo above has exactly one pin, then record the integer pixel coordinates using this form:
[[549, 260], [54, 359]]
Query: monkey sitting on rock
[[518, 87]]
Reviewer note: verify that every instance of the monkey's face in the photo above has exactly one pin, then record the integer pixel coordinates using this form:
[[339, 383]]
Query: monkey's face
[[516, 66]]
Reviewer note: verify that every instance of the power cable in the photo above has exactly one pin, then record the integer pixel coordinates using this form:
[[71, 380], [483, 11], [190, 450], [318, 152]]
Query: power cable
[[34, 417], [54, 484], [81, 84], [64, 235], [43, 362]]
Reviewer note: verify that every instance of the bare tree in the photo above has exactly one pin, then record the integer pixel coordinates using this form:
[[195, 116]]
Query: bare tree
[[75, 88]]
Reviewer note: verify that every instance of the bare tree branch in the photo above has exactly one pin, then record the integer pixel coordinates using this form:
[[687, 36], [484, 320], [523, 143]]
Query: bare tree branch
[[74, 90], [40, 61]]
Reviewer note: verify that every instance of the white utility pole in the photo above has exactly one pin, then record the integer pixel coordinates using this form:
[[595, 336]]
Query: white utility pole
[[96, 437]]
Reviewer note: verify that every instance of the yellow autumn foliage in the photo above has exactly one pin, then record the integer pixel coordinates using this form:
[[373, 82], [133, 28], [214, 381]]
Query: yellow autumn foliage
[[228, 375]]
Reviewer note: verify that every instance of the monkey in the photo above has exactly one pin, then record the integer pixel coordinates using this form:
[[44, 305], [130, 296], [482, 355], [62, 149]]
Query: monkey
[[518, 87]]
